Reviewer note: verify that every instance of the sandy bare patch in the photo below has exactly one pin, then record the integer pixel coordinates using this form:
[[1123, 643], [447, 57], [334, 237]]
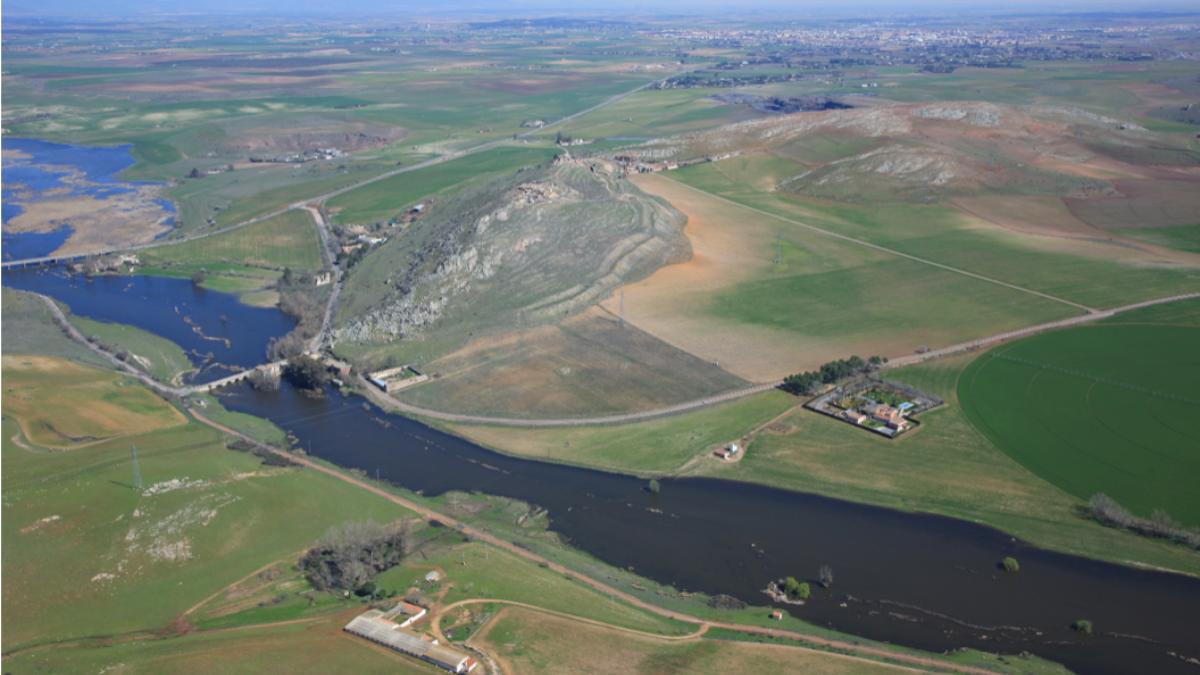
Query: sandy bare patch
[[729, 245]]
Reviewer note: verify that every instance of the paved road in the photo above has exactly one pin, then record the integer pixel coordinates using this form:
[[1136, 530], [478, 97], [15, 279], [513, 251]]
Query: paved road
[[330, 254], [390, 402], [320, 199], [611, 591], [973, 345]]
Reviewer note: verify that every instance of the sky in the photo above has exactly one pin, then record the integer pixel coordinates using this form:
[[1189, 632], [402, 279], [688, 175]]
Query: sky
[[784, 8]]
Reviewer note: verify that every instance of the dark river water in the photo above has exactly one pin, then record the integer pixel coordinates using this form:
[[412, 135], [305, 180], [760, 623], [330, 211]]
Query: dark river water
[[918, 580], [219, 333]]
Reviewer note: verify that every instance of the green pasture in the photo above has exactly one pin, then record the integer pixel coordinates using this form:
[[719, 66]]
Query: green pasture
[[165, 551], [289, 240], [385, 199]]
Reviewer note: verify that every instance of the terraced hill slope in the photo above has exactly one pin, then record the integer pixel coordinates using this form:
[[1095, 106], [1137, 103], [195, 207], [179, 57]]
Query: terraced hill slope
[[523, 250]]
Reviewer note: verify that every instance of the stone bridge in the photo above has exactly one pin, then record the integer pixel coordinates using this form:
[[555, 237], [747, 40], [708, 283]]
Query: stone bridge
[[274, 368]]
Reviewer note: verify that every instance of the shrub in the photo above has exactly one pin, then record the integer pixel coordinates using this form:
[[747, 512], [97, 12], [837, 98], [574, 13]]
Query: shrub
[[825, 575], [1082, 626], [653, 486], [1010, 565], [722, 601]]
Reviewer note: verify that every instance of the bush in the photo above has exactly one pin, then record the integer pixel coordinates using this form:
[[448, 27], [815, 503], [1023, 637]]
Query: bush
[[653, 486], [1160, 524], [723, 601], [1082, 626], [825, 575], [1010, 565]]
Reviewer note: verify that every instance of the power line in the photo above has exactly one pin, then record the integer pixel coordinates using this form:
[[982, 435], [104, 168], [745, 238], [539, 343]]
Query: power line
[[137, 472]]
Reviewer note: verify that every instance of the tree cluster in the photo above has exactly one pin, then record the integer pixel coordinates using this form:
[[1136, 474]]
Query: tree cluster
[[1160, 524], [304, 302], [306, 372], [808, 382], [349, 556], [796, 590]]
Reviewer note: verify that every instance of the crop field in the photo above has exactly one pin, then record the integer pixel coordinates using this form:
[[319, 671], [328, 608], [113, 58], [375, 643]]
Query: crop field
[[586, 365], [62, 405], [288, 240], [946, 466], [763, 297], [1081, 268], [529, 641], [387, 198], [1105, 408]]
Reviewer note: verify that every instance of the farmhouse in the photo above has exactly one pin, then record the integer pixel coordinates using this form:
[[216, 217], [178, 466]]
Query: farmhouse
[[394, 379], [729, 452], [375, 626]]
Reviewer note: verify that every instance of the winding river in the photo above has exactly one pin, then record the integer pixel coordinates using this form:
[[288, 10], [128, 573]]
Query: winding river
[[918, 580]]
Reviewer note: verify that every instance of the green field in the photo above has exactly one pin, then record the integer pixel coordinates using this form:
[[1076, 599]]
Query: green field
[[158, 356], [287, 240], [385, 199], [86, 555], [1106, 408], [651, 447]]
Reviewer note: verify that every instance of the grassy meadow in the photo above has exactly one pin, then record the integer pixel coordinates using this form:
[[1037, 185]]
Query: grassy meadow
[[161, 358], [288, 240], [85, 554], [650, 447], [387, 198], [529, 641]]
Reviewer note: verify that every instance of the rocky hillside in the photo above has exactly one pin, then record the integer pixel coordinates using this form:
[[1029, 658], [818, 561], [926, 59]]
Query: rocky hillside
[[925, 151], [524, 249]]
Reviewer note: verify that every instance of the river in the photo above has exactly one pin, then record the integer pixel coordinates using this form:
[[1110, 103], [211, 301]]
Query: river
[[220, 334], [918, 580]]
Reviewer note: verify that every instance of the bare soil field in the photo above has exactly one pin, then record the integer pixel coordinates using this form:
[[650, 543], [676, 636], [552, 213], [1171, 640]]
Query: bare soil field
[[728, 246]]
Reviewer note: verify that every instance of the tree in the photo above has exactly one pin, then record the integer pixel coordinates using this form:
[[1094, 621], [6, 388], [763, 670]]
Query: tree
[[194, 173], [306, 372], [797, 590], [1082, 626], [653, 486], [1010, 565], [349, 556], [825, 575], [198, 277]]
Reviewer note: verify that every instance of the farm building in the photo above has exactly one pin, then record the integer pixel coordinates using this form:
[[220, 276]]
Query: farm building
[[406, 612], [394, 379], [729, 452], [374, 626]]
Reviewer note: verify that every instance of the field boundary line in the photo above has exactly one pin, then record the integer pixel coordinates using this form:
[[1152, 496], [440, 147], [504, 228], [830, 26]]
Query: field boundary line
[[885, 249]]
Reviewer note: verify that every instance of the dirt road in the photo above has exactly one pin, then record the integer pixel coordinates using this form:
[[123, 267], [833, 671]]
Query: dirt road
[[486, 537]]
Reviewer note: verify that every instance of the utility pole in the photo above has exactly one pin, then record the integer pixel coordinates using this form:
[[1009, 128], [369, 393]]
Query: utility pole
[[137, 472], [778, 248], [621, 310]]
